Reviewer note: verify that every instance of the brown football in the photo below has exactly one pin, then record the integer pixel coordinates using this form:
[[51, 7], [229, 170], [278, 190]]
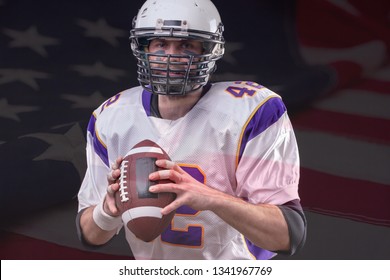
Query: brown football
[[141, 208]]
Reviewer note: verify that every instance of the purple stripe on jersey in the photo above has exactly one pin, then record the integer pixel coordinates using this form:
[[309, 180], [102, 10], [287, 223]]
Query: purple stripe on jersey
[[146, 102], [257, 252], [91, 125], [264, 117], [100, 149]]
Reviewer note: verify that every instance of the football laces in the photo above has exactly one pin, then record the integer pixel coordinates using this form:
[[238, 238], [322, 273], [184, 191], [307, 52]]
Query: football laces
[[123, 193]]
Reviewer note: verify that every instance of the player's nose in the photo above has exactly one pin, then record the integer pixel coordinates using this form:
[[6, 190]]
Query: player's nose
[[173, 48]]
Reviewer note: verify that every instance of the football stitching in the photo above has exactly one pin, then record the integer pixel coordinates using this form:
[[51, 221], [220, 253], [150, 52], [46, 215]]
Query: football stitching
[[122, 182]]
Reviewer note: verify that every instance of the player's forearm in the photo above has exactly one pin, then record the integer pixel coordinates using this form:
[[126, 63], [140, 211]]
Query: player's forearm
[[91, 232], [262, 224]]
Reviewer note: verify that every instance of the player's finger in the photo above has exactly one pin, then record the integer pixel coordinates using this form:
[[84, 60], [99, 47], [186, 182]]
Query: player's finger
[[110, 191], [167, 164], [166, 174], [117, 163], [113, 175], [110, 207], [171, 207], [113, 209], [165, 187], [177, 168], [112, 188], [110, 177]]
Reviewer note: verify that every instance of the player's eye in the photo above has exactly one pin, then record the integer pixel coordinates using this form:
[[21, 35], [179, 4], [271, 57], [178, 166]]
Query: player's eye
[[192, 46], [158, 44], [187, 45]]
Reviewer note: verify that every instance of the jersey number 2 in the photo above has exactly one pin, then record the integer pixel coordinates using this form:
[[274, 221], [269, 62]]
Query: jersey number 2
[[192, 234]]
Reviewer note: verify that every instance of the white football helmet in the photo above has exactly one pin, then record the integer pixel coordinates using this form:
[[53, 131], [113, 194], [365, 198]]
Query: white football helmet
[[178, 19]]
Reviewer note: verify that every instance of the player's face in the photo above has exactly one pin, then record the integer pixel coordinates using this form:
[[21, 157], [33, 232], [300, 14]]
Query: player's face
[[163, 47]]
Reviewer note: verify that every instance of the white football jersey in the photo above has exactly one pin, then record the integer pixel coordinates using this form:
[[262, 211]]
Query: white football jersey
[[237, 139]]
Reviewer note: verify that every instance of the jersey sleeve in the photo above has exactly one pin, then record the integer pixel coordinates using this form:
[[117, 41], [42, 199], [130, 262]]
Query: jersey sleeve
[[93, 187], [268, 158]]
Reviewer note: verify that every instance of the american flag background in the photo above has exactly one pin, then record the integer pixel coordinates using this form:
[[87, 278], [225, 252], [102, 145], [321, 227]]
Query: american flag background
[[328, 59]]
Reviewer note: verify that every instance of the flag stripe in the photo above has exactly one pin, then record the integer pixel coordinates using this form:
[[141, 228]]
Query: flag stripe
[[345, 197], [357, 102], [375, 85], [16, 246], [382, 74], [364, 128], [344, 157]]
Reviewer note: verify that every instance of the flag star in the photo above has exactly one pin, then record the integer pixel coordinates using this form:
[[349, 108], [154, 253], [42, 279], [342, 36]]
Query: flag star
[[69, 147], [92, 101], [99, 70], [30, 38], [11, 111], [102, 30], [229, 49], [27, 77]]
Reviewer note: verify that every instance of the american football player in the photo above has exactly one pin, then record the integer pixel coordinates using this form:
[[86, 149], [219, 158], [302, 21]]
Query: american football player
[[234, 158]]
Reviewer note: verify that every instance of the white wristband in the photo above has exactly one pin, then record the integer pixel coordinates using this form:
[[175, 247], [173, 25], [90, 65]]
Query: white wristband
[[105, 221]]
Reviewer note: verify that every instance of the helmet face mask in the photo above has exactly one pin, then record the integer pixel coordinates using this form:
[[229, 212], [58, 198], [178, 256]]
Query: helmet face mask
[[176, 74], [172, 74]]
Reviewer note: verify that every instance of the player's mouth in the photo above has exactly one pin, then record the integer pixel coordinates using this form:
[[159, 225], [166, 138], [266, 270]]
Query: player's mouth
[[171, 73], [176, 74]]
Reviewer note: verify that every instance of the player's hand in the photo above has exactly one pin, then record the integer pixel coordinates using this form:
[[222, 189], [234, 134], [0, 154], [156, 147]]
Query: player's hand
[[188, 190], [113, 186]]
